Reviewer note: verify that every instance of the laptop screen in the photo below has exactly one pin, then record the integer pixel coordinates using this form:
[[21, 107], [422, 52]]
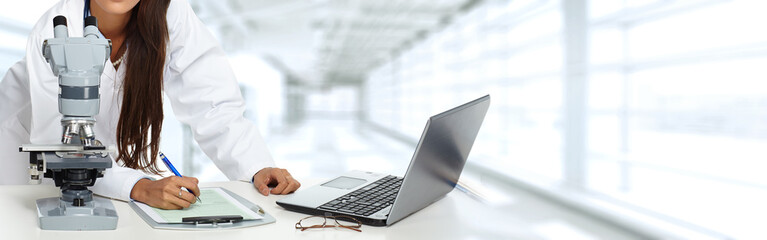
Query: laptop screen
[[439, 157]]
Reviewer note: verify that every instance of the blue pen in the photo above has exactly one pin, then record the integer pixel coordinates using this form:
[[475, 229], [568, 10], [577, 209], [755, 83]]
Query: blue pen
[[175, 172]]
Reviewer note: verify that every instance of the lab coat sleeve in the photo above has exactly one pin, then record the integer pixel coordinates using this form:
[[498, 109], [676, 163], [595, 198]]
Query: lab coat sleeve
[[205, 95], [14, 125], [117, 182], [15, 91]]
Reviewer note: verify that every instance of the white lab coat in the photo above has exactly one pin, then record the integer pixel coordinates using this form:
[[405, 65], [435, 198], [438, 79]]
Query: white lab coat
[[197, 79]]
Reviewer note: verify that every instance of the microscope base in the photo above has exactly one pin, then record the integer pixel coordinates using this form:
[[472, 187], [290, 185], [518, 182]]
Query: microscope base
[[98, 214]]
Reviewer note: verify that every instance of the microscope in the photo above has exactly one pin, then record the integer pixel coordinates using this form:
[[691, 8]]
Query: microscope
[[76, 162]]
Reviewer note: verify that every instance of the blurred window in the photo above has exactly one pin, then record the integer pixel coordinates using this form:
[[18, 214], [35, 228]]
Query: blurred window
[[676, 110]]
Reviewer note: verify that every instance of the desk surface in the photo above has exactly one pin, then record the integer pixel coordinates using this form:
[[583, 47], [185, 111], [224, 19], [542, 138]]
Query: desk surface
[[456, 216]]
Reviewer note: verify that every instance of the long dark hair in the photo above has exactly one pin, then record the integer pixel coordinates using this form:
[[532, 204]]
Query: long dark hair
[[141, 112]]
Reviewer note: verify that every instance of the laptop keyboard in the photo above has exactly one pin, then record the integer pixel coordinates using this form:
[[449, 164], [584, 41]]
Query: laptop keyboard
[[367, 200]]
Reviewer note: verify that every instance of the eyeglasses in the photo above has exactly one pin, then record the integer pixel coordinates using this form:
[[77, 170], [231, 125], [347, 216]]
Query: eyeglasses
[[323, 222]]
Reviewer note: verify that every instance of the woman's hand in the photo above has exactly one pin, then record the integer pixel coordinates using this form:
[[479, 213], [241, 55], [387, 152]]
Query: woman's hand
[[166, 193], [278, 178]]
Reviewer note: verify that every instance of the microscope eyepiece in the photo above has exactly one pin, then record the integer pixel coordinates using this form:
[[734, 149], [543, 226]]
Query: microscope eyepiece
[[90, 21], [59, 20], [60, 27], [91, 30]]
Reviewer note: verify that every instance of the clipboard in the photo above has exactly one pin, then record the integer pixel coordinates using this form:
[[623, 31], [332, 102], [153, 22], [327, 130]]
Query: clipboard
[[211, 224]]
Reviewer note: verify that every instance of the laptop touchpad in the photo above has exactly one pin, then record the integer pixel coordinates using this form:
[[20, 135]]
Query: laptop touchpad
[[344, 183]]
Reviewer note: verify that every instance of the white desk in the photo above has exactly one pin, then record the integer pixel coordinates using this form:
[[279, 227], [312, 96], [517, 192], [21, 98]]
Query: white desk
[[456, 216]]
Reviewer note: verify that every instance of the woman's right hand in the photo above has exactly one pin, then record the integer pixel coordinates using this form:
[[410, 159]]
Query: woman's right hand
[[166, 193]]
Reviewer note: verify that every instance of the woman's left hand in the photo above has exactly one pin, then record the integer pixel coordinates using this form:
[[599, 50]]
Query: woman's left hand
[[278, 178]]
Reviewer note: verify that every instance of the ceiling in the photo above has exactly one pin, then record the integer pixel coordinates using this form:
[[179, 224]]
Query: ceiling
[[325, 42]]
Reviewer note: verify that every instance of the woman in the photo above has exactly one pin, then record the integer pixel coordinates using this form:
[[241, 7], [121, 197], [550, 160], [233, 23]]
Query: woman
[[158, 46]]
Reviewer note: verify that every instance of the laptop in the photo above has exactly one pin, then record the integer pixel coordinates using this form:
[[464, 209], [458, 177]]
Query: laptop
[[381, 200]]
